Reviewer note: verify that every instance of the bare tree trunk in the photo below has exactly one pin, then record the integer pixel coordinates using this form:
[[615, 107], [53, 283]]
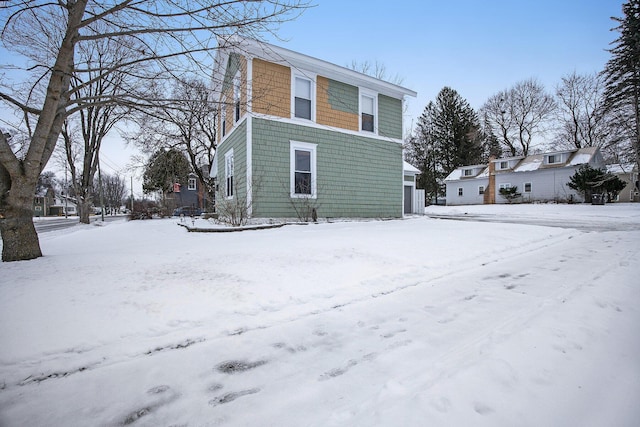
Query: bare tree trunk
[[19, 237]]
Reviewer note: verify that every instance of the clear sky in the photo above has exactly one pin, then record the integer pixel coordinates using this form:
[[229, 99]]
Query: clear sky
[[477, 47]]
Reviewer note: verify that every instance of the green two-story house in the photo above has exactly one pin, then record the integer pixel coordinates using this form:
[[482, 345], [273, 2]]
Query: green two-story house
[[300, 136]]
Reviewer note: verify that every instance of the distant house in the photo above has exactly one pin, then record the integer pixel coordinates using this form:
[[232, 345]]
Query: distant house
[[629, 174], [63, 205], [299, 131], [538, 177], [43, 201], [191, 193]]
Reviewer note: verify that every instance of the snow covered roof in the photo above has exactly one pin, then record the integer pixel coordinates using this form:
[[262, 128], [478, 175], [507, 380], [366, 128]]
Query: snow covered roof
[[409, 168], [582, 156], [621, 168]]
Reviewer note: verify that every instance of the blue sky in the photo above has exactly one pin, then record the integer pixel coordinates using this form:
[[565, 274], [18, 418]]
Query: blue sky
[[475, 47]]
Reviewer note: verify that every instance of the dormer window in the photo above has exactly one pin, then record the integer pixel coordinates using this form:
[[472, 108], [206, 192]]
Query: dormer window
[[504, 165], [553, 158], [468, 172]]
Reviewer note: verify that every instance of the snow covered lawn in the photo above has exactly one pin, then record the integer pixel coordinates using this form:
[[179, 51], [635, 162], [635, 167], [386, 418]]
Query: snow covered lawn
[[389, 323]]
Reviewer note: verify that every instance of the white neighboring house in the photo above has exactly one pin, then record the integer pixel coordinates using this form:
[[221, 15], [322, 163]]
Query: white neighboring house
[[64, 205], [629, 174], [413, 199], [538, 177]]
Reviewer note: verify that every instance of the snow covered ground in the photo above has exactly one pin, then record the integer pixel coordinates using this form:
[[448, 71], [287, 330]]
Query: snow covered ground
[[409, 322]]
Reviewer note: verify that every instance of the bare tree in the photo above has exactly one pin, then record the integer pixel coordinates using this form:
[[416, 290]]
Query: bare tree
[[173, 35], [581, 110], [376, 69], [517, 115], [185, 122]]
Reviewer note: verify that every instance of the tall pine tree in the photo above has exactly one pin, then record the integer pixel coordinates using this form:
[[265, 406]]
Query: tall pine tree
[[622, 73], [447, 136]]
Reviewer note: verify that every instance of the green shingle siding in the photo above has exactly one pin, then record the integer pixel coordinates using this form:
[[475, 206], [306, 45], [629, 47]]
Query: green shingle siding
[[237, 141], [390, 120], [356, 176], [343, 97]]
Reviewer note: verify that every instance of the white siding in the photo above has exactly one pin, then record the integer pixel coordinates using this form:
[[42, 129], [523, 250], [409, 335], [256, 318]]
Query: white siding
[[546, 185], [470, 194]]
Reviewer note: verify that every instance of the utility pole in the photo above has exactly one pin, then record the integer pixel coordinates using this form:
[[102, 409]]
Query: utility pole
[[101, 196], [66, 189], [131, 193]]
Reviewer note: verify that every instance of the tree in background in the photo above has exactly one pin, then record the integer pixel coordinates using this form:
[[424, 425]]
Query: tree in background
[[588, 181], [185, 122], [622, 75], [113, 191], [175, 35], [447, 136], [164, 169], [518, 115]]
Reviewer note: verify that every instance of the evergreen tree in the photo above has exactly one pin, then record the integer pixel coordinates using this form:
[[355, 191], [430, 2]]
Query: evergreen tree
[[447, 136], [622, 73], [165, 168], [588, 181]]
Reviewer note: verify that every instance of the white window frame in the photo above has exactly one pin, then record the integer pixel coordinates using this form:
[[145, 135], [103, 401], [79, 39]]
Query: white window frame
[[303, 146], [467, 172], [481, 190], [505, 185], [524, 187], [556, 159], [374, 97], [223, 117], [311, 77], [236, 97], [229, 174], [460, 192], [191, 184], [505, 163]]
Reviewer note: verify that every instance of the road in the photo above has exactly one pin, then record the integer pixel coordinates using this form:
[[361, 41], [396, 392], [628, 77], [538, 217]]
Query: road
[[583, 224], [44, 225]]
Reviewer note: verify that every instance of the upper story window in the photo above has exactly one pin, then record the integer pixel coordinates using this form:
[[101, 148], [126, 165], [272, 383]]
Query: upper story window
[[504, 165], [223, 116], [553, 158], [468, 172], [303, 98], [236, 97], [191, 184], [368, 109]]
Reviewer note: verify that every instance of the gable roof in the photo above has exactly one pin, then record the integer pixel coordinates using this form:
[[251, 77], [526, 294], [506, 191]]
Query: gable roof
[[533, 162], [279, 55]]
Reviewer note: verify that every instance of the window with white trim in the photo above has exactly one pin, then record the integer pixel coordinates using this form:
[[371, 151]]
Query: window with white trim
[[191, 184], [553, 158], [368, 109], [527, 187], [303, 98], [481, 190], [468, 172], [223, 116], [507, 185], [228, 173], [303, 169], [504, 165], [460, 191], [236, 97]]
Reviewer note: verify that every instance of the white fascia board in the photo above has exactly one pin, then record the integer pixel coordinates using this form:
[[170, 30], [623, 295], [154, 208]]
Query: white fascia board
[[283, 56]]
